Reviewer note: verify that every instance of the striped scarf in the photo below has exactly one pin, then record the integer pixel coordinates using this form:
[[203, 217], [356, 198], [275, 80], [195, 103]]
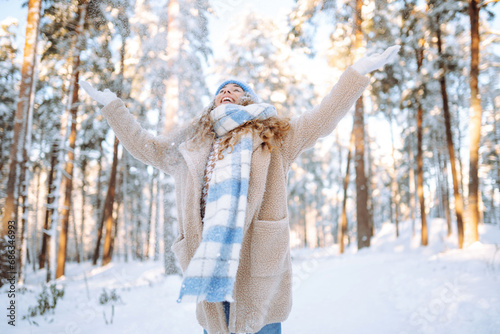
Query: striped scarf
[[211, 274]]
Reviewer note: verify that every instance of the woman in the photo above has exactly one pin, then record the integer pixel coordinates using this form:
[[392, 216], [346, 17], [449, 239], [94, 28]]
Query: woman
[[230, 168]]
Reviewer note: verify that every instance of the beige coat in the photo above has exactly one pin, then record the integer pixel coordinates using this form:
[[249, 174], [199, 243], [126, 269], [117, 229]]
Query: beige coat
[[262, 291]]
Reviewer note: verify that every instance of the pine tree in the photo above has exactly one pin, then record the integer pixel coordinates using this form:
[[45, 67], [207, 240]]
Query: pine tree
[[348, 22], [342, 229], [9, 76], [436, 19], [363, 223], [471, 229], [25, 93], [107, 217], [73, 108], [259, 55]]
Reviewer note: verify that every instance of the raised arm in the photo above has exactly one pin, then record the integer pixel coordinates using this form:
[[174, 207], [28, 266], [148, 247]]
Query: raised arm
[[306, 129], [158, 151]]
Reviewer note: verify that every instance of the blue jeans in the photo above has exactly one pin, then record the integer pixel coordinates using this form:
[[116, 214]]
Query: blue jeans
[[267, 329]]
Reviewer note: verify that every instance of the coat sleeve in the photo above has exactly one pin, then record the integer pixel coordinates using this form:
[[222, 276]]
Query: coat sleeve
[[158, 151], [319, 122]]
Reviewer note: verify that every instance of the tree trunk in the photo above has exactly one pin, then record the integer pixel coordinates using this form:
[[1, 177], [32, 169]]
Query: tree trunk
[[449, 140], [371, 186], [458, 147], [24, 182], [394, 181], [73, 109], [339, 180], [168, 229], [138, 228], [363, 219], [22, 245], [124, 190], [52, 244], [150, 213], [84, 196], [68, 184], [496, 185], [446, 110], [25, 93], [444, 191], [420, 159], [157, 217], [99, 211], [420, 175], [34, 236], [107, 217], [75, 235], [471, 231], [363, 224], [342, 230], [114, 240], [50, 204], [303, 215], [438, 197], [411, 176], [110, 197]]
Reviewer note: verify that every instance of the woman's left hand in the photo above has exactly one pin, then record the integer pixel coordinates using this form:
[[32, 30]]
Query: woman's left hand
[[371, 63], [104, 97]]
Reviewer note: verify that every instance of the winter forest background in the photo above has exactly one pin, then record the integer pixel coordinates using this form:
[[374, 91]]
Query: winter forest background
[[414, 170]]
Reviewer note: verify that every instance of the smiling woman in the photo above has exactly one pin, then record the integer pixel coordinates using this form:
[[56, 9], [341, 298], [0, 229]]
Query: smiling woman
[[230, 167], [271, 130], [230, 93]]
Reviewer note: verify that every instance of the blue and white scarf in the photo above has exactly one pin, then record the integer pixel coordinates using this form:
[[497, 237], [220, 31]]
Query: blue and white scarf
[[211, 274]]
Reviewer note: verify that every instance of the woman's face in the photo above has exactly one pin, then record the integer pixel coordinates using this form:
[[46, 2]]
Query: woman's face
[[230, 93]]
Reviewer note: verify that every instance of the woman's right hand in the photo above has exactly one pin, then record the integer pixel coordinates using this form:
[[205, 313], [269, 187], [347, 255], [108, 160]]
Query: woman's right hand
[[104, 97]]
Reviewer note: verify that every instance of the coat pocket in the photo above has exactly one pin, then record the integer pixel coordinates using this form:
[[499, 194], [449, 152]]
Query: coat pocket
[[180, 251], [270, 248]]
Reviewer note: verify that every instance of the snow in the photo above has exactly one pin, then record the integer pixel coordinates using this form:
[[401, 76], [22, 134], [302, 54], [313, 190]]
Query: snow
[[398, 287], [395, 286]]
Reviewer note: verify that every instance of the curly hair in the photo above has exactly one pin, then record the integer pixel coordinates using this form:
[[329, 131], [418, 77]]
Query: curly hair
[[272, 130]]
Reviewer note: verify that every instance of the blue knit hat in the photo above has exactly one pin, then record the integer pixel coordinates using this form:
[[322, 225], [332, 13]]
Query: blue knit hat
[[240, 83]]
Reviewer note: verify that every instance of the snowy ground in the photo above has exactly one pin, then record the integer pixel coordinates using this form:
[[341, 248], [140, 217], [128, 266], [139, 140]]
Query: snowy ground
[[393, 287]]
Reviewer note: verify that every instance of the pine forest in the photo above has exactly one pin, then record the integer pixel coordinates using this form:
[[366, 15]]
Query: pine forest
[[394, 218]]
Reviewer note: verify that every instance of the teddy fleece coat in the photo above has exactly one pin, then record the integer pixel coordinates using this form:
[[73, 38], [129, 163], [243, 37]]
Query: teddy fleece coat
[[263, 287]]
